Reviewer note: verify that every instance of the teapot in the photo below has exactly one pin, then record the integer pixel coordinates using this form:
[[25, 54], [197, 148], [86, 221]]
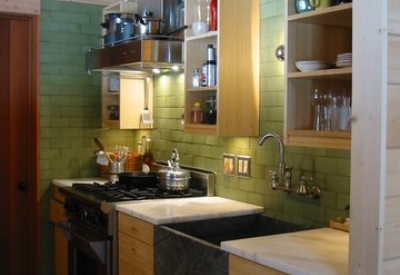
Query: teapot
[[303, 6]]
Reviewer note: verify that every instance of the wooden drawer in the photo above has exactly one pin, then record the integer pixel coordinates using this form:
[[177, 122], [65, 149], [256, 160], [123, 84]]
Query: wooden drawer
[[57, 195], [242, 266], [135, 228], [57, 211], [135, 257]]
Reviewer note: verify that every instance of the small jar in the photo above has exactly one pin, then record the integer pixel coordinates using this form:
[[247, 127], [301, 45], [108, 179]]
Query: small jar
[[196, 78], [113, 112], [196, 114], [210, 115]]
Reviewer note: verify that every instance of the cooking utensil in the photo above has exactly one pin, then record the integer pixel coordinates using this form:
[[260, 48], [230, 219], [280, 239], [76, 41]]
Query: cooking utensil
[[102, 157], [174, 178], [146, 114], [176, 30], [138, 180], [148, 25], [119, 27]]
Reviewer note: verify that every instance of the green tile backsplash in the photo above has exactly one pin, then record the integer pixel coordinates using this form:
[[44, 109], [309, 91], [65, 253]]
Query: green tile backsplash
[[70, 109]]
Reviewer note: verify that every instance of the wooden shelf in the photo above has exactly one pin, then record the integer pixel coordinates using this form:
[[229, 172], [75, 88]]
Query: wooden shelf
[[319, 139], [339, 15], [328, 73], [321, 34]]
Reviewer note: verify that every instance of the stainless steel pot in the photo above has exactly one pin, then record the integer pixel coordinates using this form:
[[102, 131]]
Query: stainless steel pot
[[119, 26], [148, 25], [174, 178]]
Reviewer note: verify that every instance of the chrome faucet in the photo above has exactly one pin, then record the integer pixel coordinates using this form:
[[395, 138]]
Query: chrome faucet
[[281, 165]]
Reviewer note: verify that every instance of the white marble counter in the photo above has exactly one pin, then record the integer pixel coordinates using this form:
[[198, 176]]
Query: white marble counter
[[69, 182], [312, 252], [167, 211]]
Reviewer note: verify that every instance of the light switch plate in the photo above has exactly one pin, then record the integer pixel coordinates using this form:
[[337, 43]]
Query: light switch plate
[[244, 166], [228, 164]]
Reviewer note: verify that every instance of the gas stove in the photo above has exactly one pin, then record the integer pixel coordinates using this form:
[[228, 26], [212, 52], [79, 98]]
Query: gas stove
[[91, 228], [91, 204]]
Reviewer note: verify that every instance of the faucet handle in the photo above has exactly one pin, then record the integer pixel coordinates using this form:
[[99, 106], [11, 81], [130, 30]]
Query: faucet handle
[[274, 181], [302, 190], [288, 177]]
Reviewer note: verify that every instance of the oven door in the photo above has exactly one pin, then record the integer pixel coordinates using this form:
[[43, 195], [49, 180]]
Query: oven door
[[88, 252]]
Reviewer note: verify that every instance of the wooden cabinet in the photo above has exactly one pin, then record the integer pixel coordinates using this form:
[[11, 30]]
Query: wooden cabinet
[[321, 35], [124, 96], [242, 266], [135, 246], [237, 50], [58, 215]]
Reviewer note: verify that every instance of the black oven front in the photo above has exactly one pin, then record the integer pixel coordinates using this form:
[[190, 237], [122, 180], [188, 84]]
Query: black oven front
[[88, 252]]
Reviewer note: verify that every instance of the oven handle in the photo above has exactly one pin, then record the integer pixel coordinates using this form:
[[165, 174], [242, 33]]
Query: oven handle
[[93, 244]]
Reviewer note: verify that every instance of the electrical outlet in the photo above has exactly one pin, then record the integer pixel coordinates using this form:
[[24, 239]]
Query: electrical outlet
[[228, 164], [244, 166]]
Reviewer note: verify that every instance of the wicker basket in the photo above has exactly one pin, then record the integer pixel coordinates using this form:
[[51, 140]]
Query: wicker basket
[[132, 164]]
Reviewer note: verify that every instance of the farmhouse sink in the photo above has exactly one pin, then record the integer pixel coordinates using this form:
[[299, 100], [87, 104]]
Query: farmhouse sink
[[192, 248], [215, 231]]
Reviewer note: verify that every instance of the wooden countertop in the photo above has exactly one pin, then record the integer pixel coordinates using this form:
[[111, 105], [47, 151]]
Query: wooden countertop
[[311, 252], [167, 211]]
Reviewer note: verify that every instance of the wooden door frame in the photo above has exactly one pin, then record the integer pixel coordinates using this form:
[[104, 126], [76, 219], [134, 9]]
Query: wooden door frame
[[33, 152]]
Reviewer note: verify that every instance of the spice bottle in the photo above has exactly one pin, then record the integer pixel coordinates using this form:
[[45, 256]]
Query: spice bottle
[[196, 114], [148, 160], [196, 77]]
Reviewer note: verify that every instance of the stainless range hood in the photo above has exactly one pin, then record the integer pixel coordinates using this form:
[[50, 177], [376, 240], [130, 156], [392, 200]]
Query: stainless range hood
[[143, 54]]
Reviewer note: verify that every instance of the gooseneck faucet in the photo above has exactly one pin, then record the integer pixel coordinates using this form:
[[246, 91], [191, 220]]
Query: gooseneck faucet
[[281, 166]]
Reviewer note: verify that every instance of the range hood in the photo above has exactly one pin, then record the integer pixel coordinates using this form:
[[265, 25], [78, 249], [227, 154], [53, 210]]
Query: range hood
[[143, 54]]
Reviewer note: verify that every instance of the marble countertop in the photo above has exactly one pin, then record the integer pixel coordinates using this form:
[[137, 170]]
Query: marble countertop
[[311, 252], [69, 182], [167, 211]]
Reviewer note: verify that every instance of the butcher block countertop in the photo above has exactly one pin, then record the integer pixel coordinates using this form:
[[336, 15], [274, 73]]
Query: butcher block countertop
[[321, 251], [166, 211]]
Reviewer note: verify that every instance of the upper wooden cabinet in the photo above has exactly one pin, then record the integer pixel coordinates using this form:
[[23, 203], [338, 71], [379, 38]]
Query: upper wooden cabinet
[[321, 34], [237, 56], [124, 96]]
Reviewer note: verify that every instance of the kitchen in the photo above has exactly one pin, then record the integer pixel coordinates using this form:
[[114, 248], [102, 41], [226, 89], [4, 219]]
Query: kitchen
[[68, 139]]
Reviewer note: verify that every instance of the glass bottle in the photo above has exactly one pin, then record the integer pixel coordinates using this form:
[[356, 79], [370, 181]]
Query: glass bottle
[[196, 77], [210, 115], [200, 22], [148, 160], [196, 114]]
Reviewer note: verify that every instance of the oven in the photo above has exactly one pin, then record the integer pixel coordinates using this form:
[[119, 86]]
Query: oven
[[91, 227], [88, 252]]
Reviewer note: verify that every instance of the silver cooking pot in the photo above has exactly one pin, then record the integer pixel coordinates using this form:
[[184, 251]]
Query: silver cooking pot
[[119, 26], [174, 178], [148, 25]]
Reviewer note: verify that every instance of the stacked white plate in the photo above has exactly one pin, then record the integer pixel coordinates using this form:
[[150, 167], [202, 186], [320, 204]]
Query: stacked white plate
[[344, 60], [311, 65]]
